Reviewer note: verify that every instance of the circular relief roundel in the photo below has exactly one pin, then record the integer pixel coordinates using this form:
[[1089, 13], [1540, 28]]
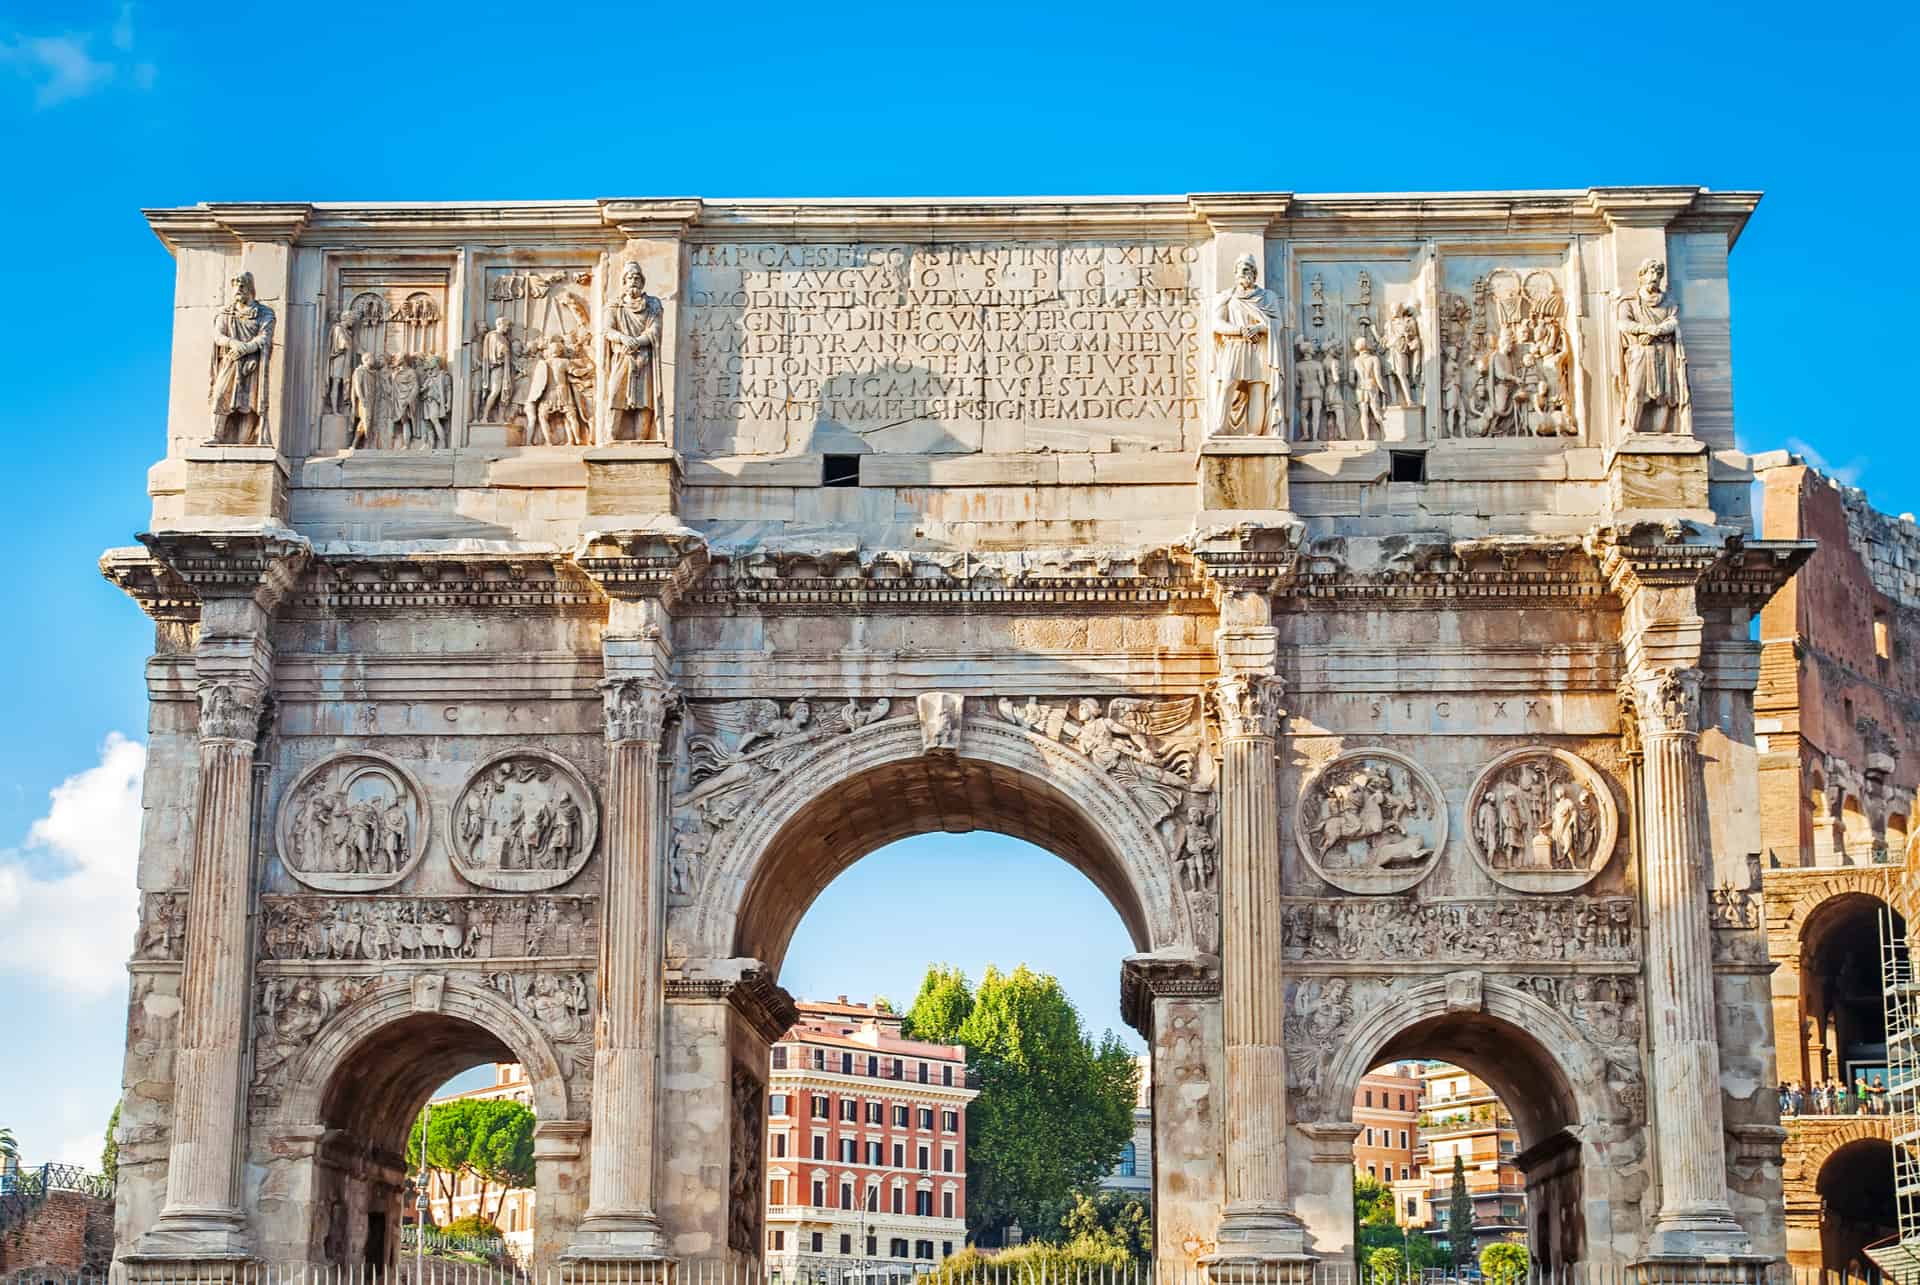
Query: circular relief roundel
[[1541, 820], [524, 821], [1371, 821], [355, 822]]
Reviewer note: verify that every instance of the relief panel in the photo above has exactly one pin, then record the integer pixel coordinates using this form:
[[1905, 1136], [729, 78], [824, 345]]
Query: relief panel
[[353, 823], [1371, 821], [524, 821], [532, 372], [1361, 347], [385, 380], [1541, 820], [1510, 348]]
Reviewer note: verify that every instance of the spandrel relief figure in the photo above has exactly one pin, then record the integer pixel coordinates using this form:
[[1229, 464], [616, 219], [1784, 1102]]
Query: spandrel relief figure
[[1247, 357], [633, 367], [1404, 355], [339, 364], [1369, 390], [242, 357], [1650, 360]]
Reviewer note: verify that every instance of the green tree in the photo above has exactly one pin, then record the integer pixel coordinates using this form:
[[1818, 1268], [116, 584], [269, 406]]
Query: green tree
[[488, 1139], [1460, 1219], [1054, 1108], [941, 1007], [1386, 1265], [110, 1150], [9, 1148], [1110, 1219], [1033, 1261], [1504, 1263]]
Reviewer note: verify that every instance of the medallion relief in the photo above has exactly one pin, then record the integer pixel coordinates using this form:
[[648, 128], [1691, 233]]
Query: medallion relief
[[1541, 820], [353, 823], [524, 821], [1371, 821]]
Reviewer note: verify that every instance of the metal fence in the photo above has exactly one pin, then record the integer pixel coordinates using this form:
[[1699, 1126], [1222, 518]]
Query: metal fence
[[22, 1190], [439, 1272]]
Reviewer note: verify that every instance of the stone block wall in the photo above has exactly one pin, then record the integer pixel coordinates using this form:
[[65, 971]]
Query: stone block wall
[[69, 1232]]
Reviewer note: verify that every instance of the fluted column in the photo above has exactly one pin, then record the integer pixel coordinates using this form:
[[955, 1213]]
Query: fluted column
[[620, 1222], [202, 1218], [1258, 1225], [1695, 1218]]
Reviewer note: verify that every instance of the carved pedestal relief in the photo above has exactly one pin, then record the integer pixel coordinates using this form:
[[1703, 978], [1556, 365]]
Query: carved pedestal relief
[[1510, 364], [533, 371], [1371, 821], [385, 379], [1541, 820], [524, 821], [353, 823]]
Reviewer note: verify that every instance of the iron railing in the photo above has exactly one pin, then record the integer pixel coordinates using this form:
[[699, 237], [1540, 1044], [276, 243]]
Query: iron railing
[[25, 1189]]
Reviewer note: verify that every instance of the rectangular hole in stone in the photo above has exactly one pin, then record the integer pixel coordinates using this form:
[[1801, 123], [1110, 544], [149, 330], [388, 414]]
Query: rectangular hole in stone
[[1407, 466], [840, 470]]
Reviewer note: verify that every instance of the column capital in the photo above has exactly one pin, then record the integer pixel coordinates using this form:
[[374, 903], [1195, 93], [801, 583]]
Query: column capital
[[1666, 700], [1248, 704], [230, 708], [636, 708]]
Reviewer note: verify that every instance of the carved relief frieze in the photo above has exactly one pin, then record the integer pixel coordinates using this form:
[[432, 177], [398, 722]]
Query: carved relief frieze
[[1360, 356], [526, 820], [1606, 1011], [426, 929], [1469, 930], [533, 355], [1371, 821], [1509, 364], [354, 822], [744, 1204], [289, 1013], [163, 926], [1541, 820], [387, 380], [561, 1005]]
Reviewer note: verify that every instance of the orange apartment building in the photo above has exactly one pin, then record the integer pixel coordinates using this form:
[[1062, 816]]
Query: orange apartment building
[[1386, 1109], [866, 1148], [1460, 1116]]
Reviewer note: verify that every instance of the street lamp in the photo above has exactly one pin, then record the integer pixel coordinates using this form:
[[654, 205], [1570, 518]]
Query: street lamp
[[420, 1201]]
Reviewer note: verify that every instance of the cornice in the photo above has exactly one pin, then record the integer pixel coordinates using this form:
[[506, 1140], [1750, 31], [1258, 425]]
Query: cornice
[[403, 581], [152, 584], [651, 217], [275, 223], [1145, 978], [1255, 210], [664, 564], [261, 564], [751, 992], [1720, 562], [1754, 570]]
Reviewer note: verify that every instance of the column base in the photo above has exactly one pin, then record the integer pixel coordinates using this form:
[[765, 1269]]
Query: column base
[[1708, 1234], [204, 1244], [1260, 1246], [634, 1240], [1700, 1269]]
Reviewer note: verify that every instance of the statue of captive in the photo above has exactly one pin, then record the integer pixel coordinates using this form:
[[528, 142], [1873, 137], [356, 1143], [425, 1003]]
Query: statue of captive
[[633, 338], [1650, 361], [1247, 358], [242, 352]]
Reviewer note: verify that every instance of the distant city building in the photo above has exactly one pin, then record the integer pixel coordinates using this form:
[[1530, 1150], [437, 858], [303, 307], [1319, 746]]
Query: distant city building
[[1386, 1108], [1133, 1171], [866, 1148], [1461, 1116], [514, 1215]]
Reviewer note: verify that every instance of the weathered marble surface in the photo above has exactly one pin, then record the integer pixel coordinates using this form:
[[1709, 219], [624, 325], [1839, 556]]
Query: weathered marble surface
[[1234, 547]]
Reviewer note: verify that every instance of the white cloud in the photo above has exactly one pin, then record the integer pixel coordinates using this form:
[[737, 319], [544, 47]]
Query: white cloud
[[68, 901], [1847, 474], [63, 67]]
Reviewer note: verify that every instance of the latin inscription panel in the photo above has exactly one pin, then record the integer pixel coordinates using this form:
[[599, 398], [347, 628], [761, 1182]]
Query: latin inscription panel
[[996, 346]]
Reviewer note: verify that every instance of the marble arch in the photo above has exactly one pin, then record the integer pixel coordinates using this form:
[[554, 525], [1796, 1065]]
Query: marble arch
[[1220, 542], [809, 826]]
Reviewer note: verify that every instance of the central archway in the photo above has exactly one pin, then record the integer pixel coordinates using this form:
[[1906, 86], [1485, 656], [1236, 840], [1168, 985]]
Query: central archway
[[787, 834]]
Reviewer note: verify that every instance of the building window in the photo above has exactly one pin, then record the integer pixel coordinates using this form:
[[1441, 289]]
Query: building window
[[873, 1244], [1369, 1137], [923, 1249], [779, 1144], [779, 1192], [1413, 1205], [818, 1242], [896, 1069], [926, 1118], [946, 1160], [923, 1073], [1403, 1139], [777, 1104], [946, 1076], [779, 1064], [923, 1203], [950, 1122], [923, 1166], [900, 1204], [873, 1202], [779, 1240], [1369, 1097], [847, 1155], [900, 1117], [897, 1247], [819, 1196], [946, 1204], [946, 1249], [850, 1110], [873, 1065], [1371, 1173], [846, 1195], [873, 1153], [1404, 1174], [876, 1113], [899, 1155], [819, 1146], [819, 1059], [846, 1064], [846, 1244], [822, 1108], [1128, 1159]]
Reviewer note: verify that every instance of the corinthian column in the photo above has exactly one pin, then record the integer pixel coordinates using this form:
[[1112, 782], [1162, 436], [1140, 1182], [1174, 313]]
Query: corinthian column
[[620, 1222], [1259, 1230], [202, 1218], [1695, 1218]]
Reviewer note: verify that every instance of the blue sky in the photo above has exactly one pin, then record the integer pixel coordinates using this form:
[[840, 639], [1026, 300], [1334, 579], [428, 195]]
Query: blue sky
[[109, 108]]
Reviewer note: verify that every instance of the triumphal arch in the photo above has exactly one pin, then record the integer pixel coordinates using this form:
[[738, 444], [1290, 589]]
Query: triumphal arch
[[551, 599]]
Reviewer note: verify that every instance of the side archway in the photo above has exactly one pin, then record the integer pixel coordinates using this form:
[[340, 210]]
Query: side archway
[[333, 1154]]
